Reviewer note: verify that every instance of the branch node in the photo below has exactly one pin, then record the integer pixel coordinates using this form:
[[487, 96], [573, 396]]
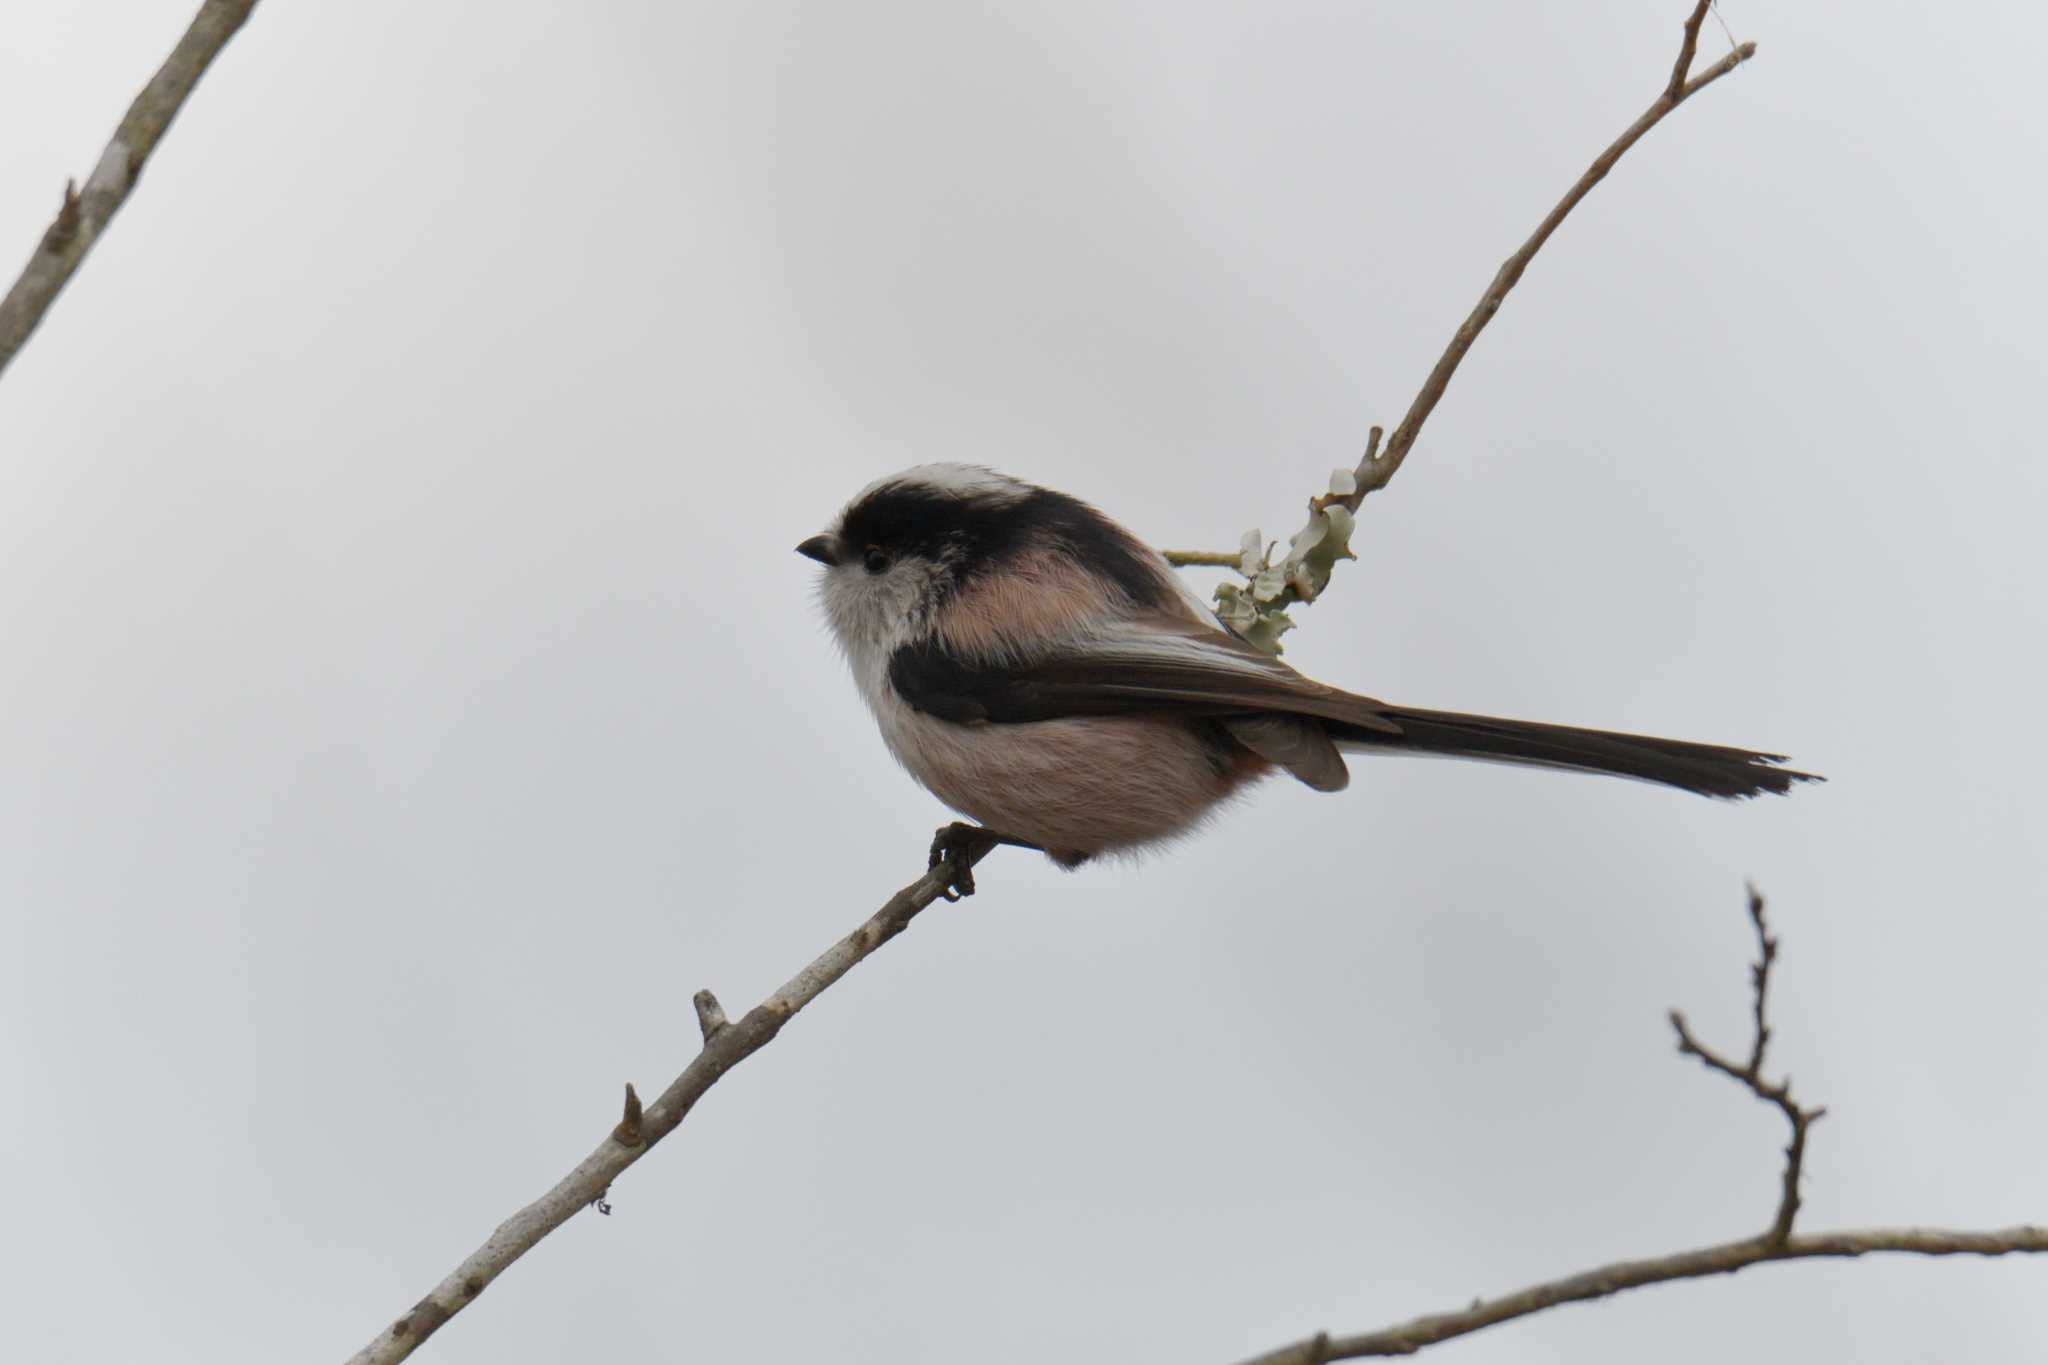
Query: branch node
[[711, 1018], [65, 225], [628, 1133], [1674, 89]]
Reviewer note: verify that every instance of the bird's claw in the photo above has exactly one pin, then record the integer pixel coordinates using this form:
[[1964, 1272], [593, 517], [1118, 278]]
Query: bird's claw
[[957, 846]]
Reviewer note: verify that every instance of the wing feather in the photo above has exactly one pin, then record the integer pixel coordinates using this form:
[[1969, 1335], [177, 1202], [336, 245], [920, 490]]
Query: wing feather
[[1157, 665]]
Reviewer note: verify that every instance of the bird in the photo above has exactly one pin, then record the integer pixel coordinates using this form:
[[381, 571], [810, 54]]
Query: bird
[[1044, 672]]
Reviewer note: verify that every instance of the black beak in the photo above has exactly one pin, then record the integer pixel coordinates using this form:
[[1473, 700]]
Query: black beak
[[824, 549]]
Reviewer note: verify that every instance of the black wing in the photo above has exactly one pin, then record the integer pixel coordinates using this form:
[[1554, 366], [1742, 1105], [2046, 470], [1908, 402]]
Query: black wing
[[1177, 668], [1167, 668]]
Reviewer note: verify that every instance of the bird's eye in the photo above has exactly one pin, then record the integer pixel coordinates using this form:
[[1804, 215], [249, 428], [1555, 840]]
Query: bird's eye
[[876, 560]]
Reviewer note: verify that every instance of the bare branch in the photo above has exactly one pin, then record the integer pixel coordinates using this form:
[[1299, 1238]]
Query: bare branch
[[1302, 576], [1775, 1244], [82, 217], [1751, 1076], [726, 1045], [1375, 473], [1686, 48], [1724, 1259]]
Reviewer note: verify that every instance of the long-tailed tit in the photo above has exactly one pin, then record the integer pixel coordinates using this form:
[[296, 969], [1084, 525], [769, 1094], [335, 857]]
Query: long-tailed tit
[[1039, 669]]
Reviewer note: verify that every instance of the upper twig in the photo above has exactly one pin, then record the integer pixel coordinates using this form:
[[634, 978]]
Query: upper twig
[[1288, 585], [1374, 473], [1686, 48]]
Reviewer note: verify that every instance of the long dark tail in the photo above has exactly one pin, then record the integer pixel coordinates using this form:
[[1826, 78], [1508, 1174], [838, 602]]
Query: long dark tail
[[1709, 769]]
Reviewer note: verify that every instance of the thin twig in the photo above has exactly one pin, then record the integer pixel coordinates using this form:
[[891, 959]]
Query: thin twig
[[1374, 473], [1215, 559], [1686, 49], [629, 1132], [711, 1020], [1411, 1336], [1378, 466], [726, 1045], [1760, 982], [82, 217], [1751, 1076]]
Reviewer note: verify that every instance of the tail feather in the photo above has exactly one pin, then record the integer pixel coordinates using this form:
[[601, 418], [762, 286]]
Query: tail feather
[[1709, 769]]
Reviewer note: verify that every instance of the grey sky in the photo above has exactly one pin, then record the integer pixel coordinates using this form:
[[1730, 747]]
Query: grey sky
[[411, 696]]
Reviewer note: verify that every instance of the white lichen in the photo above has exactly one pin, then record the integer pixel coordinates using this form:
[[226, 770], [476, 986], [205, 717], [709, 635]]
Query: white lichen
[[1257, 610], [110, 176]]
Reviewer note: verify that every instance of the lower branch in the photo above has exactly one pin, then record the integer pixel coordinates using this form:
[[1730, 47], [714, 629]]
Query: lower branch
[[726, 1045], [1725, 1259], [1776, 1243]]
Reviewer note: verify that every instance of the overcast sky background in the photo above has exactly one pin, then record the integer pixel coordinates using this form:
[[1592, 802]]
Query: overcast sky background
[[411, 696]]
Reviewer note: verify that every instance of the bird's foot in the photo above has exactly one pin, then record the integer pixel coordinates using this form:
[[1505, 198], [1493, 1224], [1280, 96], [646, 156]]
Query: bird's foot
[[959, 846]]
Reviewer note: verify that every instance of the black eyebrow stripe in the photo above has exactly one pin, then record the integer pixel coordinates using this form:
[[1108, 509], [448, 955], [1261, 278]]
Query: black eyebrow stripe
[[975, 535]]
